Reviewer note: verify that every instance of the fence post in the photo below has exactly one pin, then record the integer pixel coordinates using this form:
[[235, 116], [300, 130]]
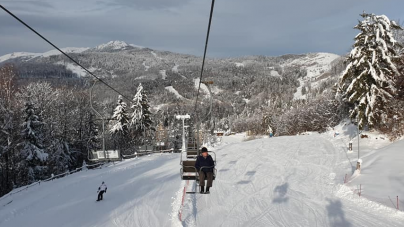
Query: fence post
[[358, 164], [360, 190], [345, 178], [397, 204]]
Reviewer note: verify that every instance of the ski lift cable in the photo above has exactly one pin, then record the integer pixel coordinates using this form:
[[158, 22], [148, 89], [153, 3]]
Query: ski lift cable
[[53, 45], [204, 54]]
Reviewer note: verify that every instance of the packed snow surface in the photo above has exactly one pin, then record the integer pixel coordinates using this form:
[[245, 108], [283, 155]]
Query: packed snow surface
[[155, 55], [280, 181], [175, 92], [204, 88], [315, 64], [379, 176], [146, 67], [216, 90], [275, 73], [239, 64], [139, 193], [284, 181], [381, 172], [175, 68], [163, 74], [74, 68]]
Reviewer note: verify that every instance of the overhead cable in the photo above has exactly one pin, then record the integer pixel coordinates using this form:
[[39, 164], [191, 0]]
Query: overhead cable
[[61, 51]]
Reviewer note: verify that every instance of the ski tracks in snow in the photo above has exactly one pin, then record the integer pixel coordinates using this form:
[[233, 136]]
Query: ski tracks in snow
[[285, 181]]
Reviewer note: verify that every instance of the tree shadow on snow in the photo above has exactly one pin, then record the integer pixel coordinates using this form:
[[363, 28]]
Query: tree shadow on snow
[[336, 214], [280, 193], [349, 130]]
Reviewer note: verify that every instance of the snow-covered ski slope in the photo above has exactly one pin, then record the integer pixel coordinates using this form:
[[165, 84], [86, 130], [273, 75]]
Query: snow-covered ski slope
[[284, 181], [139, 194], [382, 177]]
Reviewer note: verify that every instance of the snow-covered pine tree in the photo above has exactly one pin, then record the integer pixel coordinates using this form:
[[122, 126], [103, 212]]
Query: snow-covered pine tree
[[141, 116], [8, 125], [60, 158], [120, 130], [61, 137], [121, 118], [32, 153], [368, 80], [92, 133], [137, 109]]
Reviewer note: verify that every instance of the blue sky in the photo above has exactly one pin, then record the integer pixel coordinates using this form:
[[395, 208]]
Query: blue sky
[[239, 27]]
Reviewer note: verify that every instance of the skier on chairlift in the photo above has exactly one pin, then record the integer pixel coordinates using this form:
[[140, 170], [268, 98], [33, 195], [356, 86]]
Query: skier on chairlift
[[101, 190], [205, 164]]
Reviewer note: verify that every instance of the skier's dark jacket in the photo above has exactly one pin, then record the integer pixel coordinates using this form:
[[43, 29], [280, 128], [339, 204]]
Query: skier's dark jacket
[[202, 162]]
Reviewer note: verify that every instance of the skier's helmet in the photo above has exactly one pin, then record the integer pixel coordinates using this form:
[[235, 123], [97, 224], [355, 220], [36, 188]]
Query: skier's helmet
[[204, 149]]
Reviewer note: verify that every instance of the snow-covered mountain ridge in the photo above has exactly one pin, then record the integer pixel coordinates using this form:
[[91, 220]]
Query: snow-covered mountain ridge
[[255, 79], [26, 56], [109, 46], [316, 63]]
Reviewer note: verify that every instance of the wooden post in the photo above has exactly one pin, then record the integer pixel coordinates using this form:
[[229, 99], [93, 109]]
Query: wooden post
[[358, 164], [397, 204], [360, 190]]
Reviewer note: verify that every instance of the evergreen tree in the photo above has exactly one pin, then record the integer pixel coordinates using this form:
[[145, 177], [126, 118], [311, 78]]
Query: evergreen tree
[[120, 130], [141, 116], [60, 158], [369, 78], [92, 133], [32, 153], [62, 131], [8, 125], [120, 115]]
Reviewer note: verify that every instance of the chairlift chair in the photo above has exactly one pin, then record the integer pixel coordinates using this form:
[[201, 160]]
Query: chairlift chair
[[188, 170], [192, 151]]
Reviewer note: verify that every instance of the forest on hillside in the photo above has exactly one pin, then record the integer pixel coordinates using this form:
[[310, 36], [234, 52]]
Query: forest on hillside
[[47, 126]]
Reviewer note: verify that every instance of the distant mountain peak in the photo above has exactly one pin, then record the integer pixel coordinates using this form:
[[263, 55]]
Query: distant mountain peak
[[115, 46], [112, 44]]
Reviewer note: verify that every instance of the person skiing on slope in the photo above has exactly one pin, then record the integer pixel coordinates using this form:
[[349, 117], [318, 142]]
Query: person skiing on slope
[[205, 173], [101, 190]]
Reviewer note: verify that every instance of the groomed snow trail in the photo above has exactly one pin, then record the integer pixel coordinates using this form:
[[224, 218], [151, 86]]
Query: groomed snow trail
[[140, 193], [284, 181]]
